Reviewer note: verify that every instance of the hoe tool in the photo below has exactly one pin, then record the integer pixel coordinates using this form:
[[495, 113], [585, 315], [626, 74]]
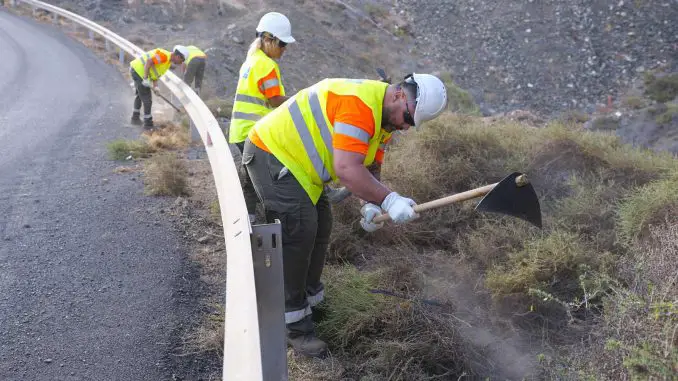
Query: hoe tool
[[513, 196], [157, 92]]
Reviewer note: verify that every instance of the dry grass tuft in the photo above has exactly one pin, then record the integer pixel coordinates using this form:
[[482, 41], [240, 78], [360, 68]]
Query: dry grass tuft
[[168, 135], [122, 149], [165, 175], [123, 169], [646, 205]]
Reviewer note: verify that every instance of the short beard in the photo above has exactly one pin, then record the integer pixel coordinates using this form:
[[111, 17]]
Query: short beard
[[385, 117]]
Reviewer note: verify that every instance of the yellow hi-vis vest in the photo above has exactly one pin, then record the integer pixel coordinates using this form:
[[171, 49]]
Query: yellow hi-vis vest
[[299, 134], [193, 52], [250, 104], [157, 70]]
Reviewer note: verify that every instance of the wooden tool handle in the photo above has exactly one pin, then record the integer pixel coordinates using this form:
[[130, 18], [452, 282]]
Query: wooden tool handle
[[463, 196]]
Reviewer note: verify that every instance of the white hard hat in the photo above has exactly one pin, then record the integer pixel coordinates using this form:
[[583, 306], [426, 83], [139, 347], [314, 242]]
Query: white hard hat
[[431, 97], [278, 25], [181, 49]]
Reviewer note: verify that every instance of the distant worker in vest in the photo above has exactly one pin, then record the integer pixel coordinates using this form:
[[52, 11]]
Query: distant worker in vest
[[332, 131], [145, 71], [260, 88], [193, 67]]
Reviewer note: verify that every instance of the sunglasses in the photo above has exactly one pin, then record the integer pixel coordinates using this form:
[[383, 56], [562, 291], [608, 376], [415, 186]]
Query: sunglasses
[[407, 115], [281, 44]]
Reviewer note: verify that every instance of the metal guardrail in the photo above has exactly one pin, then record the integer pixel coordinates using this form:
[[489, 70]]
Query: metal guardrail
[[254, 342]]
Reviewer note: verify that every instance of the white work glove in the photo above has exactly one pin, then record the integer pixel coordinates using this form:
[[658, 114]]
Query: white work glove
[[399, 208], [369, 213], [146, 82]]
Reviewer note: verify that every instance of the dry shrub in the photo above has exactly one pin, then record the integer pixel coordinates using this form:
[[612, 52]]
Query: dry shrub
[[549, 285], [647, 205], [453, 154], [381, 336], [165, 175], [661, 88], [637, 337], [552, 264], [412, 315], [168, 135]]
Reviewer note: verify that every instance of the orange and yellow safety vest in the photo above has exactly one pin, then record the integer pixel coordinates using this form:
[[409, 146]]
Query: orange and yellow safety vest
[[259, 80], [161, 60], [334, 113]]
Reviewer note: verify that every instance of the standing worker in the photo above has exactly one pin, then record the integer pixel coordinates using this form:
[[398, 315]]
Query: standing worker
[[260, 88], [333, 130], [193, 67], [145, 71]]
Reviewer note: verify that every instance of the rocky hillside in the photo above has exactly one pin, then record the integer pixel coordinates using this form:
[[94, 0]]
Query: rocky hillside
[[545, 56]]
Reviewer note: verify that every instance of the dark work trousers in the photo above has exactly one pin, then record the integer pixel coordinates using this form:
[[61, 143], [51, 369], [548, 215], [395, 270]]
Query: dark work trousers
[[195, 71], [250, 194], [143, 95], [306, 229]]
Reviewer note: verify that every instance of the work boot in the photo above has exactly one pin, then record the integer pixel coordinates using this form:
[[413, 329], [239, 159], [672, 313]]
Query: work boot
[[148, 123], [136, 120], [301, 337]]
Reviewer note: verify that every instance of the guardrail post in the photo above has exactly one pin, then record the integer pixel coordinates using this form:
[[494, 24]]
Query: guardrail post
[[121, 56], [55, 18], [108, 46], [91, 35], [268, 281]]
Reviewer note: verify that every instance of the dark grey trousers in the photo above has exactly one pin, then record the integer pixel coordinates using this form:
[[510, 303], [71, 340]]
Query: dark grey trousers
[[195, 71], [306, 229], [251, 197], [143, 96]]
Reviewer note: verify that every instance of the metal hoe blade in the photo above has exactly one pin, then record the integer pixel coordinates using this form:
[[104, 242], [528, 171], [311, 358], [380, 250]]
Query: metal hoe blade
[[513, 196]]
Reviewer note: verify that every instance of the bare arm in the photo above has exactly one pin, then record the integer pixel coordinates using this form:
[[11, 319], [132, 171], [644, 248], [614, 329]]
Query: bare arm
[[375, 170], [147, 68], [352, 173], [277, 100]]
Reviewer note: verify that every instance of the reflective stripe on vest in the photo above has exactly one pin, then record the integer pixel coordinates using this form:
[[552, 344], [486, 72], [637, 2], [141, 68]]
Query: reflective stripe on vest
[[250, 104], [249, 99], [305, 133], [157, 70], [301, 137]]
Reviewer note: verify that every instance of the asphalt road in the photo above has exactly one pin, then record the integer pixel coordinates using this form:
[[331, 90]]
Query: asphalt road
[[93, 277]]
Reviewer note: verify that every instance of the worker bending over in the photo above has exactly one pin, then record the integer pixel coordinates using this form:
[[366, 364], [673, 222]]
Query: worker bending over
[[331, 131], [145, 71], [193, 67]]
